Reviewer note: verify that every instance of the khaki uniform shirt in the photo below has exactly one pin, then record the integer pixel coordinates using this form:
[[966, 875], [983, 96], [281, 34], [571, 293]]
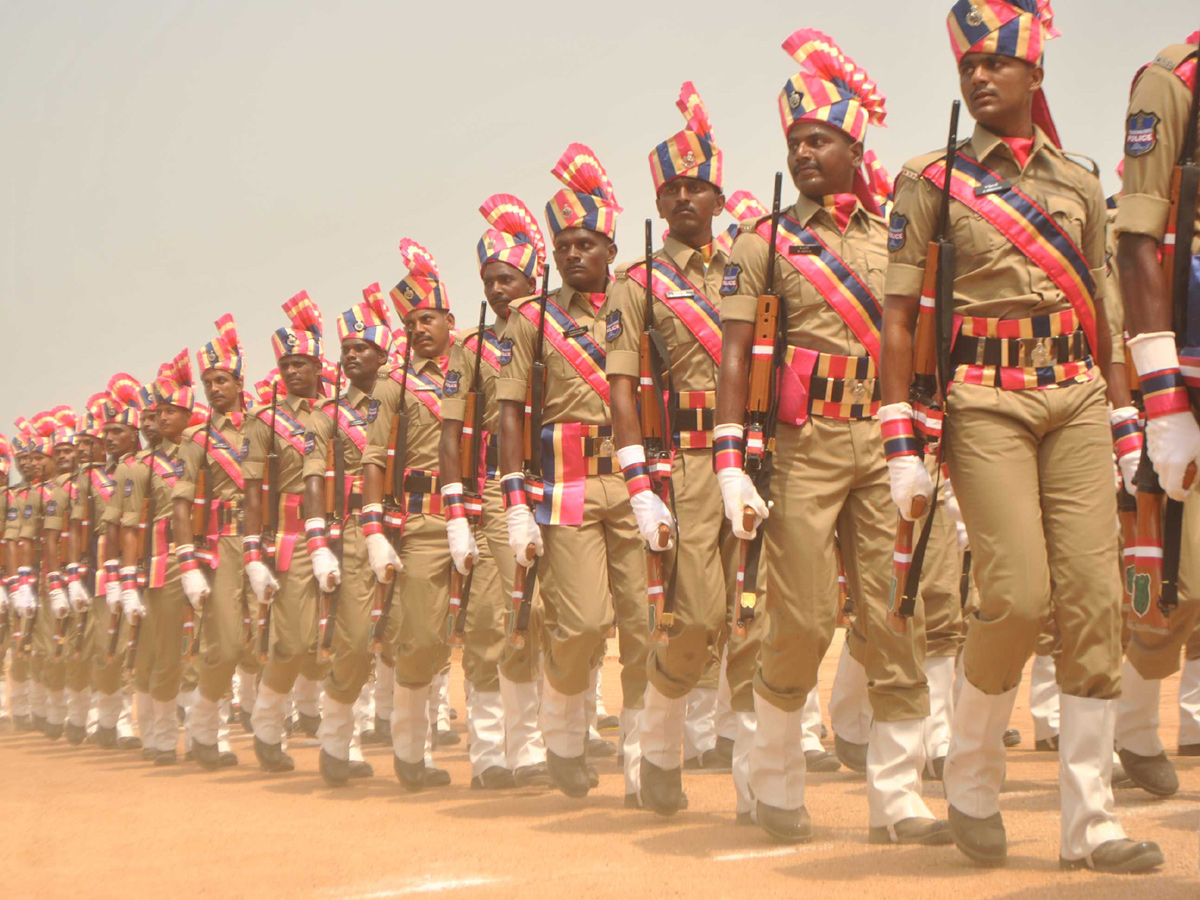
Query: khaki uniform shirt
[[58, 504], [1161, 94], [32, 511], [320, 431], [121, 475], [569, 398], [424, 428], [220, 485], [462, 366], [993, 279], [692, 369], [812, 322], [291, 462], [1114, 305], [136, 485], [84, 488]]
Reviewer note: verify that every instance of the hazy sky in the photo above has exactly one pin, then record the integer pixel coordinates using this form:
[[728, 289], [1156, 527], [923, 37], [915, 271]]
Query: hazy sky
[[166, 162]]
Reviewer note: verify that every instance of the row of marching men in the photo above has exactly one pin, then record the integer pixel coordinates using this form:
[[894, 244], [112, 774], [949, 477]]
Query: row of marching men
[[684, 447]]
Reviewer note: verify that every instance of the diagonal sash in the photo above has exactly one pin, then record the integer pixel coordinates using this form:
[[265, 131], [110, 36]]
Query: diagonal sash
[[102, 482], [285, 425], [678, 294], [223, 454], [833, 278], [164, 467], [492, 348], [352, 424], [573, 342], [1029, 228], [424, 387]]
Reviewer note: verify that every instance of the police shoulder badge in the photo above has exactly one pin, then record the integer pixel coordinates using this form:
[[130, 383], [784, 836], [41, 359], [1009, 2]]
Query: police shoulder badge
[[897, 232], [12, 514], [310, 444], [372, 410], [128, 487], [729, 280], [52, 508], [505, 352], [1141, 133], [245, 449], [613, 326], [450, 387]]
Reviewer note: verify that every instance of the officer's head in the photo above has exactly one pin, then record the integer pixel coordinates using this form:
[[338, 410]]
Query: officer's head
[[64, 458], [999, 91], [149, 425], [223, 390], [361, 360], [301, 374], [43, 467], [119, 439], [689, 206], [822, 159], [582, 257], [91, 449], [172, 420], [429, 331], [28, 466], [503, 283]]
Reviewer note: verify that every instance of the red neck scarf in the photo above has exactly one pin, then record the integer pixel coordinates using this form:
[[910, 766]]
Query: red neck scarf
[[841, 207]]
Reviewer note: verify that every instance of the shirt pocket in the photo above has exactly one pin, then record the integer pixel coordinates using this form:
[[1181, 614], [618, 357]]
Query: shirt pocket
[[976, 241], [1069, 214]]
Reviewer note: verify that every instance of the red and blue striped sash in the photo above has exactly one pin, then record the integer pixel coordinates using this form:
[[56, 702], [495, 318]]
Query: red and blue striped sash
[[1029, 228], [223, 455], [678, 294], [573, 342], [352, 424], [424, 387], [833, 278], [286, 426], [102, 482], [164, 467], [492, 348]]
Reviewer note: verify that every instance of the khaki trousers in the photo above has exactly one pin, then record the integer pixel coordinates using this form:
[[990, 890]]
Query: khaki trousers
[[1156, 656], [1033, 474], [165, 607], [351, 657], [294, 626], [221, 644], [741, 655], [50, 671], [108, 677], [831, 476], [421, 602], [80, 667], [590, 573]]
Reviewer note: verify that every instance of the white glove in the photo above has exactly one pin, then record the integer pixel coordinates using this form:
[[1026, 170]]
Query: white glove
[[1128, 464], [78, 596], [738, 492], [1172, 440], [261, 579], [910, 480], [648, 508], [523, 531], [3, 599], [24, 600], [195, 588], [131, 600], [325, 569], [60, 608], [462, 543], [112, 589], [381, 556]]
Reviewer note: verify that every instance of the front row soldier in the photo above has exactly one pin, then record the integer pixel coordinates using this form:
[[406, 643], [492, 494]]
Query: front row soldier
[[1026, 432], [222, 443], [687, 171], [403, 427], [502, 706], [365, 335], [1151, 224], [583, 528], [20, 595], [277, 563], [826, 268]]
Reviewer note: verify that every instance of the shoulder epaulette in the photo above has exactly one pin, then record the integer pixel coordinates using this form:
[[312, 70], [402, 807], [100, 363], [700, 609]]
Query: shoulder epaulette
[[1084, 162], [921, 163], [622, 271], [749, 225], [522, 301], [1170, 58]]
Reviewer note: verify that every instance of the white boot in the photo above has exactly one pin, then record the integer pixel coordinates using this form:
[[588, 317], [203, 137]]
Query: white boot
[[849, 709], [19, 696], [204, 721], [1085, 775], [726, 722], [939, 673], [109, 708], [356, 744], [145, 719], [247, 689], [92, 719], [166, 726], [523, 738], [975, 763], [777, 766], [410, 723], [895, 760], [186, 700], [743, 745], [1189, 704], [631, 749], [592, 703], [78, 705], [1043, 698], [699, 723], [1137, 713], [364, 709], [485, 730], [960, 678], [810, 737], [439, 701], [37, 699], [597, 709], [337, 728], [306, 696], [56, 707], [663, 728], [223, 725], [125, 717], [269, 715], [385, 689], [564, 722]]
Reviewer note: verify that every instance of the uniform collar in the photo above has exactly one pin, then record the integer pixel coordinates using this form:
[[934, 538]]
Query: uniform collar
[[421, 363], [806, 209], [295, 403], [985, 143], [353, 396], [219, 420], [167, 447], [681, 254]]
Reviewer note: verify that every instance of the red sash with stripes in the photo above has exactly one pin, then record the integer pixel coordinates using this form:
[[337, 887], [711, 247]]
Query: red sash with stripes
[[223, 455], [573, 342], [352, 424], [673, 289], [833, 278], [169, 470], [1028, 227], [102, 482], [424, 387], [285, 425], [493, 348]]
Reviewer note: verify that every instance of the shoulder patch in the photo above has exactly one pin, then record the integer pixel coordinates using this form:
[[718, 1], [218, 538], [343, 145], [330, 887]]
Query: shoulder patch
[[613, 326], [505, 351], [52, 508], [372, 410], [12, 514], [729, 280], [128, 487], [450, 386], [310, 444], [1141, 133], [897, 232]]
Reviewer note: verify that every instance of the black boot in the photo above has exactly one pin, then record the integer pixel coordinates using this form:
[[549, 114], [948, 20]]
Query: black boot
[[569, 774], [272, 758], [662, 789]]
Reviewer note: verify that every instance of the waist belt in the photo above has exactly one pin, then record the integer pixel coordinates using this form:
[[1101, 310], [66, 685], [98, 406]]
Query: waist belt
[[291, 527], [1021, 354], [694, 420], [571, 453], [224, 518], [845, 388], [491, 456]]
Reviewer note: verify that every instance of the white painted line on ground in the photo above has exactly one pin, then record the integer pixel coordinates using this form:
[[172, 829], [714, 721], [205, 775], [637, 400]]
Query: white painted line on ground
[[424, 886], [768, 854]]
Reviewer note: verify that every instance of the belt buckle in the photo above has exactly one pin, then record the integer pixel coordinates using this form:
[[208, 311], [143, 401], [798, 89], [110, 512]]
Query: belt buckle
[[1040, 354], [858, 387], [606, 448]]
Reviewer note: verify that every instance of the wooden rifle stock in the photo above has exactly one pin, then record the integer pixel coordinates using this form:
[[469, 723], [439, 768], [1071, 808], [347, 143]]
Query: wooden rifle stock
[[522, 597], [335, 508], [270, 519], [200, 519]]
